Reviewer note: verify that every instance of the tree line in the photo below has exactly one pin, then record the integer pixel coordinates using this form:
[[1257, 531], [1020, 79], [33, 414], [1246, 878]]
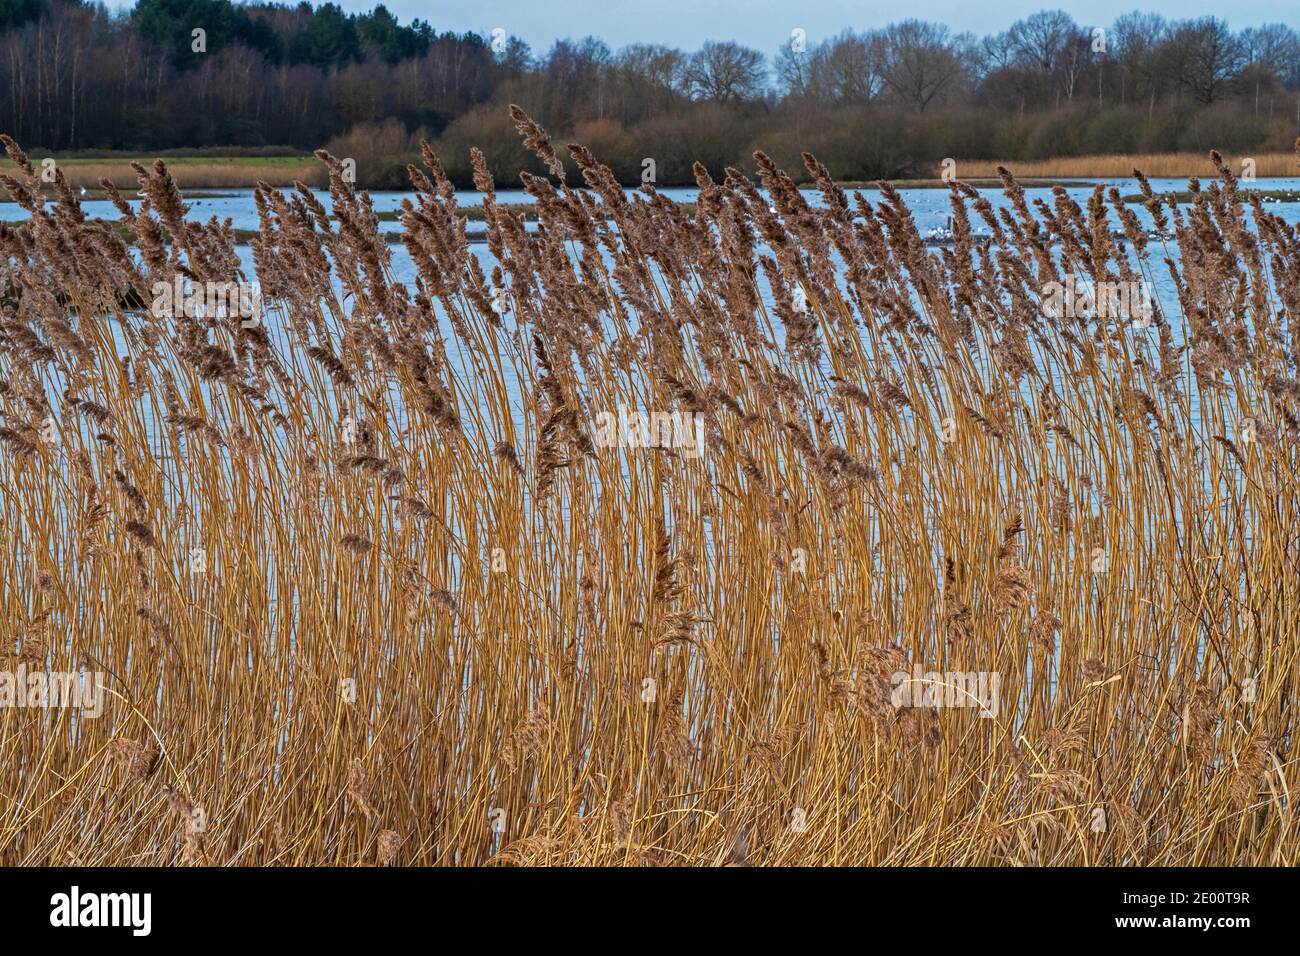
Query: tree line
[[176, 74]]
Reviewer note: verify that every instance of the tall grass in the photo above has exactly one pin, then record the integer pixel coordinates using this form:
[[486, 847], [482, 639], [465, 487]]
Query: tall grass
[[1121, 166], [564, 653], [236, 172]]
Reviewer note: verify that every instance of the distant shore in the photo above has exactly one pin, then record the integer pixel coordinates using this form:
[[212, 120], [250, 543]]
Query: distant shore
[[207, 172]]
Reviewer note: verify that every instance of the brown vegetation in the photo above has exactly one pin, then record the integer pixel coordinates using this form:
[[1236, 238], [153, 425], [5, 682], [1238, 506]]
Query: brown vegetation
[[1121, 166], [213, 174], [437, 622]]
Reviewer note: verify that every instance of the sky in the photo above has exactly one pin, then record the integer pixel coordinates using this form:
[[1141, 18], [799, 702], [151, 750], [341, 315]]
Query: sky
[[766, 24]]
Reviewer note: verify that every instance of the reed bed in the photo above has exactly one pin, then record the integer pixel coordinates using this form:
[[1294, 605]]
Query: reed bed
[[439, 623], [1121, 166], [230, 173]]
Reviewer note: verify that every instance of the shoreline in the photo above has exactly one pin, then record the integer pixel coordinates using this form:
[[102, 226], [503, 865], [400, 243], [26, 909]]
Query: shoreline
[[207, 177]]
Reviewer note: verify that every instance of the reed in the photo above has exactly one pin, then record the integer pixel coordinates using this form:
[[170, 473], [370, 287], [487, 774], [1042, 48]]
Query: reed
[[1121, 166], [436, 621], [197, 173]]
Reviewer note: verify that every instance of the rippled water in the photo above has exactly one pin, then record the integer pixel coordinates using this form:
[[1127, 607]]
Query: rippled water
[[930, 207]]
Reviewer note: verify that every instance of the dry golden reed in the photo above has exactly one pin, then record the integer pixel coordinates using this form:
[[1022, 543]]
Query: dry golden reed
[[367, 582], [196, 174], [1121, 166]]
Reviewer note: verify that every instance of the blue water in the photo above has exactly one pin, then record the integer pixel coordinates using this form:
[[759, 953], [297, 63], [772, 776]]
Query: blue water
[[930, 207]]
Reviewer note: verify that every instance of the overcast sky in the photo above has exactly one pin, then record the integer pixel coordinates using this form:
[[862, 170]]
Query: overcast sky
[[766, 24]]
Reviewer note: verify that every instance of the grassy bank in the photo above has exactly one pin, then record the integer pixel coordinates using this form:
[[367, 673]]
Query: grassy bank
[[191, 172], [244, 172], [1121, 166]]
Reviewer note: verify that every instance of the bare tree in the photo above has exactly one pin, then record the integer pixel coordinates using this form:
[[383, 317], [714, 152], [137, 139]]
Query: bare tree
[[650, 79], [516, 58], [1202, 56], [654, 64], [726, 72], [921, 62], [995, 52], [575, 79], [851, 67], [1040, 38], [1134, 41], [1073, 60], [793, 68], [1275, 48], [845, 69]]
